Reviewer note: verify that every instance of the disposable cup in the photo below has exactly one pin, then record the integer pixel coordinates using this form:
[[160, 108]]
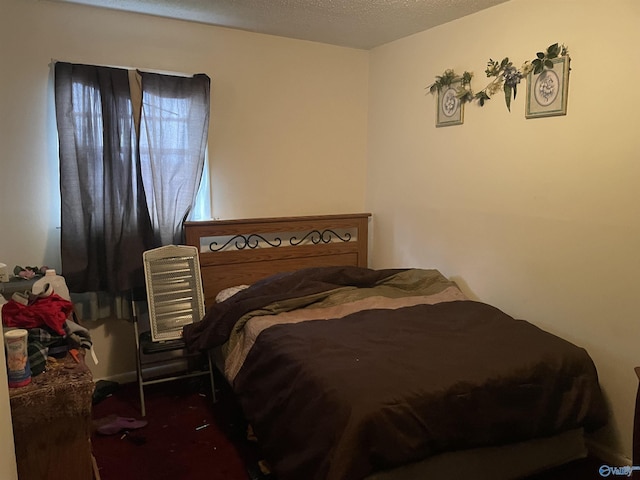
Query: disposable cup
[[18, 368]]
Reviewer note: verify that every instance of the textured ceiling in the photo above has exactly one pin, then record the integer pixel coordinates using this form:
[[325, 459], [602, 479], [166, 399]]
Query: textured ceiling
[[351, 23]]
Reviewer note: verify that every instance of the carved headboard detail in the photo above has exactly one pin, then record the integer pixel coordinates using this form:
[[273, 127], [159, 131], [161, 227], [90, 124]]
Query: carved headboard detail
[[236, 252]]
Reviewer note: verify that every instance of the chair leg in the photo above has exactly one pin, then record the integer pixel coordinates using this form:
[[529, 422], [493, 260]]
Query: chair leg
[[143, 411], [134, 315], [140, 379], [213, 385]]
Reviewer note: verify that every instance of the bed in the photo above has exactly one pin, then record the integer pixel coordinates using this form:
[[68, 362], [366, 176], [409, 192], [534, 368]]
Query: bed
[[350, 373]]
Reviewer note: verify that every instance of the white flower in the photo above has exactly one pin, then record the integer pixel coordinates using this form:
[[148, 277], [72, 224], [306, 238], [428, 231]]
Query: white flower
[[526, 68]]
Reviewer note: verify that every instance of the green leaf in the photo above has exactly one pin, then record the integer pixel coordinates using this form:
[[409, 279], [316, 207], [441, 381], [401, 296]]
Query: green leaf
[[507, 96], [464, 95], [515, 91], [538, 66], [548, 64], [540, 55], [553, 51], [482, 97]]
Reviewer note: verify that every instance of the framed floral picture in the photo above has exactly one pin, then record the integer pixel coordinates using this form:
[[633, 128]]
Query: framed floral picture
[[450, 108], [547, 91]]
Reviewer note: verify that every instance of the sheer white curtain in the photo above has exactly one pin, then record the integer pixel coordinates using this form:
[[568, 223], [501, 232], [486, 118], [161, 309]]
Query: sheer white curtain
[[173, 137], [202, 206]]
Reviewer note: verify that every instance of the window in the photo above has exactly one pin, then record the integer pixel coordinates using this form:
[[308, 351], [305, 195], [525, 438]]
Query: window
[[117, 199]]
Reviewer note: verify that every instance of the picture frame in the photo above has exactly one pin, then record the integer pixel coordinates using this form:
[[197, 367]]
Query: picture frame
[[548, 90], [450, 109]]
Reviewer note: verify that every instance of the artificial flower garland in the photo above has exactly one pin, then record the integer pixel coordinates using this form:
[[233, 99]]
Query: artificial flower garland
[[505, 76]]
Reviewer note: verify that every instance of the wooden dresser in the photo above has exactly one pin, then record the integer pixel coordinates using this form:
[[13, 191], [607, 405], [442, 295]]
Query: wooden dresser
[[52, 423]]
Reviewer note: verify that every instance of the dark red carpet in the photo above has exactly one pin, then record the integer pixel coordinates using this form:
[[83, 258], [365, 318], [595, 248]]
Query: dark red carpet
[[189, 438]]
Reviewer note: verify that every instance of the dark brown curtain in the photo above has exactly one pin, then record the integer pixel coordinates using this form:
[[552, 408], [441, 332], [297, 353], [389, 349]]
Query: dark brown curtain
[[174, 125], [105, 223], [121, 192]]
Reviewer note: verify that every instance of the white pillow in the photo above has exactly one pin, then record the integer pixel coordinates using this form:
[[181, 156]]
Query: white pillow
[[229, 292]]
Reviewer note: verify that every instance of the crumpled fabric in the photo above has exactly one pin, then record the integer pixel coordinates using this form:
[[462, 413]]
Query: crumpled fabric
[[51, 311], [44, 343]]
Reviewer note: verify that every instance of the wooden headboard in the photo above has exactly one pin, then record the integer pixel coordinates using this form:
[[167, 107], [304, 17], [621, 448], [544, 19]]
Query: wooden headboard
[[237, 252]]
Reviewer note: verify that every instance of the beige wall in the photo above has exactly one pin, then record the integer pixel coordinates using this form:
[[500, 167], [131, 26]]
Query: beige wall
[[540, 217], [288, 126], [287, 137]]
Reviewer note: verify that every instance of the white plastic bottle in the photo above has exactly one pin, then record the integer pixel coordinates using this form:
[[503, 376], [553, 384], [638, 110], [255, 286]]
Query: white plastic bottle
[[56, 282]]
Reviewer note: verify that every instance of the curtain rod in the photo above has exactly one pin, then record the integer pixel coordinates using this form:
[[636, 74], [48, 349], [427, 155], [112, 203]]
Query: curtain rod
[[138, 70]]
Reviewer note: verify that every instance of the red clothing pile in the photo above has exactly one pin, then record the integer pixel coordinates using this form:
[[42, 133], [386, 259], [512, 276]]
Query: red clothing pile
[[51, 311]]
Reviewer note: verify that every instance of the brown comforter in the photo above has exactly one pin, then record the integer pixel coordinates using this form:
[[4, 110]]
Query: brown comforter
[[339, 398]]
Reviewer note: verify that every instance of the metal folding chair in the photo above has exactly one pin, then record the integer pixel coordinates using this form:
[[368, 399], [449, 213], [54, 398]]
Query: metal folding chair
[[174, 298]]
